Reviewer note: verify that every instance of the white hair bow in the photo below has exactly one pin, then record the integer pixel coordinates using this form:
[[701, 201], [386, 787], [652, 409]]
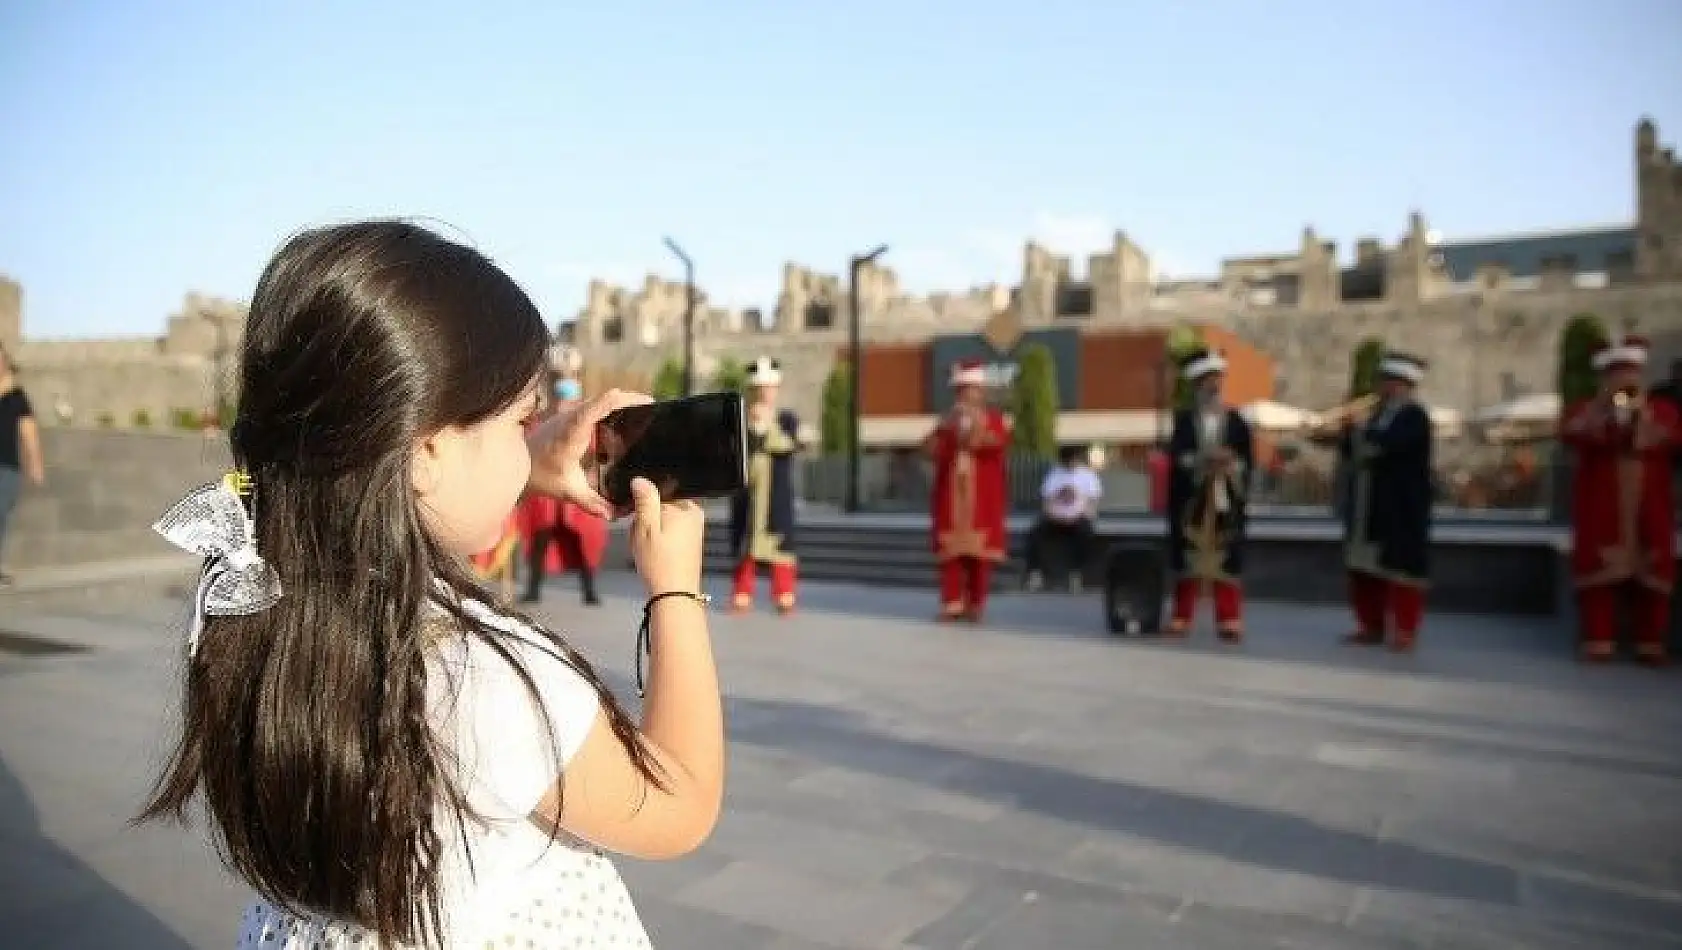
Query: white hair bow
[[212, 522]]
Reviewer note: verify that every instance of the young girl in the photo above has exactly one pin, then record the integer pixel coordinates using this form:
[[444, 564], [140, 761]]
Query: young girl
[[387, 759]]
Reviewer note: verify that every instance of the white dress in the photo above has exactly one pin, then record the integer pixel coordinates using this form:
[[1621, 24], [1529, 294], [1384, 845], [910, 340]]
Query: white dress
[[524, 890]]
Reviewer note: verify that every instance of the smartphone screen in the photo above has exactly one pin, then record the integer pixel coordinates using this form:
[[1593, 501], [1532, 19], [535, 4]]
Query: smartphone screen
[[692, 448]]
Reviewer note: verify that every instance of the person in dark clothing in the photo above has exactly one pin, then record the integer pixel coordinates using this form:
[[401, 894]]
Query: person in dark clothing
[[1671, 388], [1212, 449], [1387, 526], [1671, 391], [20, 447]]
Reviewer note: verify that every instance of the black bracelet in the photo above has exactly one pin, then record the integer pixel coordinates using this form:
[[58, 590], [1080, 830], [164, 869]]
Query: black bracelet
[[644, 646]]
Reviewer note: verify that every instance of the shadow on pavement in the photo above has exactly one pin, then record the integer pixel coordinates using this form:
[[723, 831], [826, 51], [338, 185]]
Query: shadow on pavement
[[51, 900], [1235, 832], [1463, 647], [1415, 725]]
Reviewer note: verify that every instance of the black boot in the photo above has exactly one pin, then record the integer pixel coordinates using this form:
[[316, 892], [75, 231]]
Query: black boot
[[587, 578]]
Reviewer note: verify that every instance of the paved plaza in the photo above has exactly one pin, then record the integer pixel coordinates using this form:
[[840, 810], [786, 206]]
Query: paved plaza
[[1031, 784]]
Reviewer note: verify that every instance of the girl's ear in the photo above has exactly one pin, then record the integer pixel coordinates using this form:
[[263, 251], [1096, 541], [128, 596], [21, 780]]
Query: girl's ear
[[424, 465]]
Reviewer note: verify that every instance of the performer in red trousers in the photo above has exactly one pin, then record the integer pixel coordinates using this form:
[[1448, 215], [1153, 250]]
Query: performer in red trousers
[[558, 535], [969, 497], [762, 523], [1623, 511], [1213, 456], [1387, 527]]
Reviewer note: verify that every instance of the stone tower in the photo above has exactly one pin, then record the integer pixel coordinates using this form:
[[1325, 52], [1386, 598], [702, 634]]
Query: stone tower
[[1658, 207]]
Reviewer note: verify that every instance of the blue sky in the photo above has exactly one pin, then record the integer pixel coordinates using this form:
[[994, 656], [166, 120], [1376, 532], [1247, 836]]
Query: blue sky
[[151, 148]]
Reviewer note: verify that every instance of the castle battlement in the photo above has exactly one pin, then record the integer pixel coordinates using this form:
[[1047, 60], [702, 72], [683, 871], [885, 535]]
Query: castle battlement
[[1119, 285]]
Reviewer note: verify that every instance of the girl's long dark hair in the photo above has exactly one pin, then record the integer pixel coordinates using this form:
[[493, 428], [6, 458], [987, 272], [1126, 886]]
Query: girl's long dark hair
[[305, 726]]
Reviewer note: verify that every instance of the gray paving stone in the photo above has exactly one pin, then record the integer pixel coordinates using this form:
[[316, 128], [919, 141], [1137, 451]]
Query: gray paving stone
[[842, 857], [814, 908], [676, 925]]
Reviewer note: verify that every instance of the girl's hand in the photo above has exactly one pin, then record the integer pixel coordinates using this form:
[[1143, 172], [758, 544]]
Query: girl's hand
[[560, 443], [666, 540]]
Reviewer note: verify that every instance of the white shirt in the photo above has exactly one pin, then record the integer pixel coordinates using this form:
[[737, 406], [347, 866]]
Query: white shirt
[[521, 886], [1070, 493]]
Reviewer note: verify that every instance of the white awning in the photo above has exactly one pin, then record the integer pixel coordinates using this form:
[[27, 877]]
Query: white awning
[[1275, 416], [1537, 409]]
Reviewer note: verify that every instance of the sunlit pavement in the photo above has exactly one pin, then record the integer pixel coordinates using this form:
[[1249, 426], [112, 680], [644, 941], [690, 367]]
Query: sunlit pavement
[[1028, 784]]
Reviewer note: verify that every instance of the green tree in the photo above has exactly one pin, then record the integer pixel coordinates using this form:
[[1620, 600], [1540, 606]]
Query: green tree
[[1033, 401], [837, 432], [1363, 367], [731, 376], [1577, 342], [668, 380], [1182, 339]]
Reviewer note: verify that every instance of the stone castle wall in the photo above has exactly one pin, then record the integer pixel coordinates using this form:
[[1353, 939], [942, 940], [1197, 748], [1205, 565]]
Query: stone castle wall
[[1484, 349], [120, 382], [104, 489]]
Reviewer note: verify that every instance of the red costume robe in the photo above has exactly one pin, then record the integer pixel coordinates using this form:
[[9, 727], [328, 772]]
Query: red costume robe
[[1623, 521], [968, 509]]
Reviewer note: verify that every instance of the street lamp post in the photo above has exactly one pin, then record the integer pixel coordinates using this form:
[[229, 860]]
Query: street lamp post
[[855, 368], [688, 316]]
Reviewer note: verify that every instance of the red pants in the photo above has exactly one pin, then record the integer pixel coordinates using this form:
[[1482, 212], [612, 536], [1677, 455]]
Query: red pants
[[1229, 602], [1375, 598], [782, 582], [964, 584], [1597, 615]]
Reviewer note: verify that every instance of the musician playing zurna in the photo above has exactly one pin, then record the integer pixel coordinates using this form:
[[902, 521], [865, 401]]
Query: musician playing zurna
[[1213, 455], [762, 513], [970, 495], [1623, 512], [1387, 525]]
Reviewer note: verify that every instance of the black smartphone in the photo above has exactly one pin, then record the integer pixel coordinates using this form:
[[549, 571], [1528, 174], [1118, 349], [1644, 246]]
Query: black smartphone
[[690, 448]]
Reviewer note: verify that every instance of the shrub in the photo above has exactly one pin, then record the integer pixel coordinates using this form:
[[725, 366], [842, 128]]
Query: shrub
[[731, 376], [1363, 367], [1034, 403], [836, 432], [1181, 340], [668, 380], [1577, 378]]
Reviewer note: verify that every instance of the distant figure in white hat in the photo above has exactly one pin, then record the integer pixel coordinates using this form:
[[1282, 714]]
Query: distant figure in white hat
[[1387, 530], [970, 497], [1208, 495], [762, 524]]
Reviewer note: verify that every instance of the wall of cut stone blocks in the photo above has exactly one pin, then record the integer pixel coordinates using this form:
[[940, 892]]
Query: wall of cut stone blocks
[[104, 489]]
